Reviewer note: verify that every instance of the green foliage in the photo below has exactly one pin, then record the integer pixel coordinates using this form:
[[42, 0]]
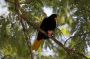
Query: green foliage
[[74, 13]]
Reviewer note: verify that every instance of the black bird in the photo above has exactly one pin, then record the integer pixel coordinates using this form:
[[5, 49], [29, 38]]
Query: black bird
[[48, 25]]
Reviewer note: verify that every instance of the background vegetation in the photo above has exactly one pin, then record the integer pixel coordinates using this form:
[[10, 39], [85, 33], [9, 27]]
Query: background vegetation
[[24, 18]]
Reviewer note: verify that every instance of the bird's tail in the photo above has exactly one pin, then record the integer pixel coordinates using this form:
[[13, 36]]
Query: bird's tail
[[36, 44]]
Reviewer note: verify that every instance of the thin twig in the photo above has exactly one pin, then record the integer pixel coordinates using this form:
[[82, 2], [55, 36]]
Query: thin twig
[[76, 36]]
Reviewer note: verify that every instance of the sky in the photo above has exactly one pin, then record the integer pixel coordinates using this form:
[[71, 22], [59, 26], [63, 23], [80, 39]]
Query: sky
[[48, 11], [3, 8]]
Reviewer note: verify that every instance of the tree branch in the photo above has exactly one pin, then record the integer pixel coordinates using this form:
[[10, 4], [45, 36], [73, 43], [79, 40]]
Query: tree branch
[[55, 40], [33, 25], [17, 8]]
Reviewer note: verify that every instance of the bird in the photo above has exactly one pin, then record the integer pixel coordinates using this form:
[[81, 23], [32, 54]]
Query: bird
[[48, 25]]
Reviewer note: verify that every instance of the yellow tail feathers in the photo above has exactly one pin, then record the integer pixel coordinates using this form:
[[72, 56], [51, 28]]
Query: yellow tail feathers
[[36, 44]]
